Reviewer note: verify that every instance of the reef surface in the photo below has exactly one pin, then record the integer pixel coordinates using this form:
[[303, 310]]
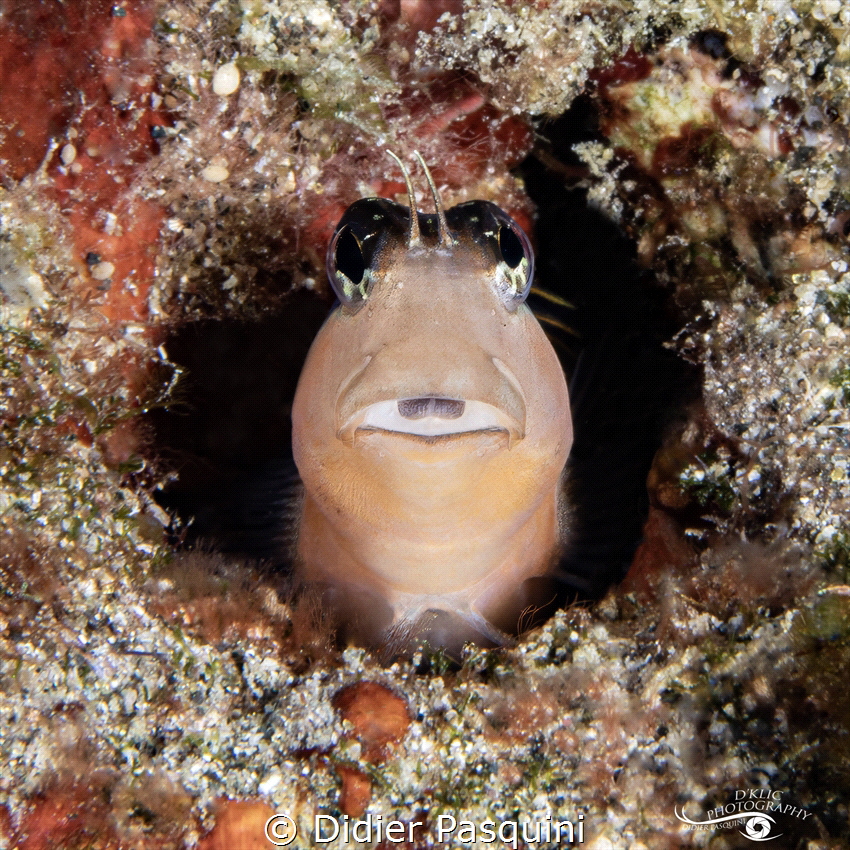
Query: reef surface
[[175, 164]]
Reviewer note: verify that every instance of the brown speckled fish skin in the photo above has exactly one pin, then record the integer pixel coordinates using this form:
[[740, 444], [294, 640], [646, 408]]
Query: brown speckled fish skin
[[398, 525]]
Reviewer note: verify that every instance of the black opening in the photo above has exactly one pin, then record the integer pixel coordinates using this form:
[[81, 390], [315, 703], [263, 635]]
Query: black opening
[[227, 433]]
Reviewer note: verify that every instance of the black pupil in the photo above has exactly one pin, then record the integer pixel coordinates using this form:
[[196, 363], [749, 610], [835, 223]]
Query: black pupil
[[510, 246], [349, 257]]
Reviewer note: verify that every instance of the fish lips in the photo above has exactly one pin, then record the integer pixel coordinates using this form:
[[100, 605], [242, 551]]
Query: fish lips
[[436, 415]]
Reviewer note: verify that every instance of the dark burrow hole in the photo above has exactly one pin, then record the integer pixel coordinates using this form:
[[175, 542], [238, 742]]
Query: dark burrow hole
[[227, 436]]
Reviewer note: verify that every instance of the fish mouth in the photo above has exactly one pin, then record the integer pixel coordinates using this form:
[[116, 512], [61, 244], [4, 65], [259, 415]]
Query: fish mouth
[[432, 416], [376, 400]]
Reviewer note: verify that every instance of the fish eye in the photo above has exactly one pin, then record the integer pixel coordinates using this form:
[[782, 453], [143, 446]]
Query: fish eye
[[347, 270], [360, 237], [517, 261], [348, 256], [510, 246]]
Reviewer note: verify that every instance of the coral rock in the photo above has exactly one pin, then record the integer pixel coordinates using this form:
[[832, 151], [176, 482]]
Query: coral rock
[[379, 716], [68, 817], [664, 552], [239, 825], [356, 791]]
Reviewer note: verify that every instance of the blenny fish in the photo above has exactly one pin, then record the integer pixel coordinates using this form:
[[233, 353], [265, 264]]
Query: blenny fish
[[431, 426]]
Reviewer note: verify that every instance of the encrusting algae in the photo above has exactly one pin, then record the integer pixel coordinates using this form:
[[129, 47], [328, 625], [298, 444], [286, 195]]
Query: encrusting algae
[[182, 162]]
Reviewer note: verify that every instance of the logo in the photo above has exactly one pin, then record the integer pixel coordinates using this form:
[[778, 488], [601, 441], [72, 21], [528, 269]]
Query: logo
[[752, 811], [756, 827]]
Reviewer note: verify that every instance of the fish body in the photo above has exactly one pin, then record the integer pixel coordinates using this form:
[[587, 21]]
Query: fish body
[[431, 426]]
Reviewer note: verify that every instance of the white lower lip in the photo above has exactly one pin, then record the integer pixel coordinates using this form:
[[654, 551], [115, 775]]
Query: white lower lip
[[476, 416]]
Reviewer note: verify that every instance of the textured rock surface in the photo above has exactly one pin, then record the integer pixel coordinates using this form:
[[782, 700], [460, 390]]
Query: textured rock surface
[[161, 685]]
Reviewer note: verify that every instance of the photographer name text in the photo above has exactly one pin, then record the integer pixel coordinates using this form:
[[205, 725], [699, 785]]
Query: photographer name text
[[447, 830]]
